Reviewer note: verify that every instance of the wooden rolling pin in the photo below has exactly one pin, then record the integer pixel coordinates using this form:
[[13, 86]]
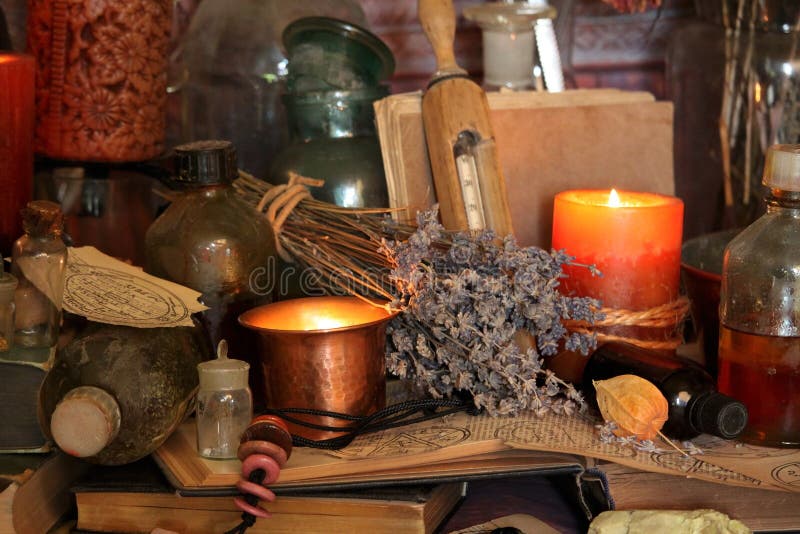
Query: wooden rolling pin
[[469, 183]]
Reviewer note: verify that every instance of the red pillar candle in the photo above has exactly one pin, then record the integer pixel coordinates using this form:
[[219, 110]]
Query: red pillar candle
[[16, 143], [633, 238]]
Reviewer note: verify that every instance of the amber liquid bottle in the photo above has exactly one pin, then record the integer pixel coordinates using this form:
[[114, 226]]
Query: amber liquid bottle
[[695, 405], [759, 349]]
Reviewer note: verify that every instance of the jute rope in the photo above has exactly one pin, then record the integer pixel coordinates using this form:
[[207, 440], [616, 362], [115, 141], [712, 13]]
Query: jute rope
[[279, 202], [667, 316]]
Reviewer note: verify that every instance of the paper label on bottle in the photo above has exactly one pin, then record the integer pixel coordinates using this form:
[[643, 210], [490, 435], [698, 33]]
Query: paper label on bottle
[[106, 290]]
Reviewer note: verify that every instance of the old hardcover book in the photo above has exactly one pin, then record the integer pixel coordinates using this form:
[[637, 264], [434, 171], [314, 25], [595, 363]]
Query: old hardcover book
[[546, 143], [137, 498], [420, 454], [23, 371], [42, 497], [761, 510]]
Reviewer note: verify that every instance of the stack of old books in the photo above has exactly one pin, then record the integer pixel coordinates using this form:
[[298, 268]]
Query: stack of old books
[[402, 479]]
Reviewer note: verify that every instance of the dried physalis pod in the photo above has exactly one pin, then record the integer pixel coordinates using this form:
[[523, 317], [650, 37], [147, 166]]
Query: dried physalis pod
[[634, 404]]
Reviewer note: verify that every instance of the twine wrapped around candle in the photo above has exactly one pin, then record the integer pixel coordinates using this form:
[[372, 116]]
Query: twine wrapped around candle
[[666, 317]]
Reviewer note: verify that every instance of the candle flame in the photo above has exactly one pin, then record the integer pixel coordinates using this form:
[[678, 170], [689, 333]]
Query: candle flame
[[613, 199]]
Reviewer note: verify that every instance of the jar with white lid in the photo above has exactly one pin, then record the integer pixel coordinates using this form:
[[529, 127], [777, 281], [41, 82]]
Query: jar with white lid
[[224, 405]]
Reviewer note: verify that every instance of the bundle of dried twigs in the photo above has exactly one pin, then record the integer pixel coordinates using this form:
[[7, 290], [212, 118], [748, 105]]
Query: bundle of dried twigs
[[340, 244]]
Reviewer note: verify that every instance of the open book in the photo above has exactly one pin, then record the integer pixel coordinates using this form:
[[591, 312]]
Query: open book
[[458, 446], [433, 454]]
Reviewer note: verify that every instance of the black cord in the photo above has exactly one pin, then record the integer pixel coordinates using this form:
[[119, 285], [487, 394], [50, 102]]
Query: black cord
[[248, 519], [399, 414]]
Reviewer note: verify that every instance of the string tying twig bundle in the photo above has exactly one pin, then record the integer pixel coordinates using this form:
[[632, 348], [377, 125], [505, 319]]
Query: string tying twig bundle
[[279, 202]]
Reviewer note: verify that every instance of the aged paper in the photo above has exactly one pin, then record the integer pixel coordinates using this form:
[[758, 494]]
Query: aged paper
[[106, 290], [460, 444], [721, 461]]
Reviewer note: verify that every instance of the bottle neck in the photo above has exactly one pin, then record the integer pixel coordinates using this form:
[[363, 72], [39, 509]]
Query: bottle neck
[[782, 200]]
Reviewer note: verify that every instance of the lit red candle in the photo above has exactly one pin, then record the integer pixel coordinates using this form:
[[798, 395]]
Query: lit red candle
[[633, 238], [16, 143]]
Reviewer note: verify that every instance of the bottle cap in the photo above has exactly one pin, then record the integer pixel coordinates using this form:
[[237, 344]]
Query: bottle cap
[[8, 284], [719, 415], [42, 218], [85, 421], [782, 168], [223, 373], [206, 163]]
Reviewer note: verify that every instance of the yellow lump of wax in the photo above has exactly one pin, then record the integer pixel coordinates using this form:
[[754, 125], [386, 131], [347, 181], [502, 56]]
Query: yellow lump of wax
[[666, 522]]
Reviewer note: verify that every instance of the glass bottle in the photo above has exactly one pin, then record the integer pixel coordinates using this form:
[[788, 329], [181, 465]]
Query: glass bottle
[[695, 405], [333, 138], [224, 405], [212, 241], [8, 285], [116, 393], [759, 346], [39, 260], [227, 73], [334, 74], [732, 73]]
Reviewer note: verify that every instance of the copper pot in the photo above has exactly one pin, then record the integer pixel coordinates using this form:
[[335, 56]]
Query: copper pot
[[324, 353], [701, 271]]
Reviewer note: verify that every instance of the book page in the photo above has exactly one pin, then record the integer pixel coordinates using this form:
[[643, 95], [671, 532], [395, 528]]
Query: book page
[[462, 443], [720, 461]]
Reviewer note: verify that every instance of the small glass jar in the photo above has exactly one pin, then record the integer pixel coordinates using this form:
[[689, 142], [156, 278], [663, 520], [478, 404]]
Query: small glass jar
[[224, 405], [8, 285], [39, 262]]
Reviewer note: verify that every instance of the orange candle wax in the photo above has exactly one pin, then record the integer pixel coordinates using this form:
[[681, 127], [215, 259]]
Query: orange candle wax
[[633, 238], [16, 143]]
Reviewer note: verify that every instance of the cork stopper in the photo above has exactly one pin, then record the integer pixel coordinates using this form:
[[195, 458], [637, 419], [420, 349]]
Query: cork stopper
[[42, 218], [782, 168], [85, 421]]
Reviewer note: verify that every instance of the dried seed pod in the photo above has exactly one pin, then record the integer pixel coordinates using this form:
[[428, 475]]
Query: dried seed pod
[[636, 406]]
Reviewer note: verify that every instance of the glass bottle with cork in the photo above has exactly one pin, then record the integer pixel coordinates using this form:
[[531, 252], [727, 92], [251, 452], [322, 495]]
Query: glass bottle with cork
[[212, 241], [39, 261], [759, 348]]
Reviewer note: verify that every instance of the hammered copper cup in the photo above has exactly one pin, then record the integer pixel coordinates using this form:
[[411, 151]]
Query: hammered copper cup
[[324, 353]]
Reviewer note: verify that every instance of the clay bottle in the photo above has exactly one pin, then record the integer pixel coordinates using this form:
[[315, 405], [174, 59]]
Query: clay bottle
[[115, 393]]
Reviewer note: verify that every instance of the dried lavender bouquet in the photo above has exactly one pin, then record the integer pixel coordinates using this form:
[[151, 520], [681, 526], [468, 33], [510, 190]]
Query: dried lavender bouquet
[[479, 316]]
